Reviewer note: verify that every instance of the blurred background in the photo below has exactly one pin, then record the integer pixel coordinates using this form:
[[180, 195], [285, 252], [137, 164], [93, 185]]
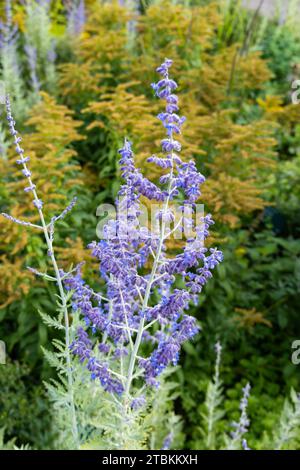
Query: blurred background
[[79, 75]]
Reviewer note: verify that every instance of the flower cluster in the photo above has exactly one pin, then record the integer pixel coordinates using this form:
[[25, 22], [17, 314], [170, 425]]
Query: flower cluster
[[30, 188], [8, 31], [31, 53], [143, 309], [22, 160], [242, 426], [76, 17]]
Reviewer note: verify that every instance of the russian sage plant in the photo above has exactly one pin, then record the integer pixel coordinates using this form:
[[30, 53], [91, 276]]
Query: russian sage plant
[[214, 412], [48, 231], [136, 326], [76, 17], [40, 45], [11, 73], [131, 331]]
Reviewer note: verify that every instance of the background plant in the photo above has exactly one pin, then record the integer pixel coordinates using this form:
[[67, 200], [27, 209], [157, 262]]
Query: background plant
[[261, 205]]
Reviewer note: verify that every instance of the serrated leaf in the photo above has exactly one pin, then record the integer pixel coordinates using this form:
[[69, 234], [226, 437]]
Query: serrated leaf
[[50, 321]]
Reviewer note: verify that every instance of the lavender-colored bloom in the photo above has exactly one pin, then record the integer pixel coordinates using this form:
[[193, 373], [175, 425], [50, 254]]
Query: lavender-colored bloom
[[8, 31], [38, 204], [32, 61], [245, 445], [100, 371], [66, 210], [167, 441], [51, 55], [32, 187], [138, 403], [18, 221], [135, 299], [214, 258], [82, 346], [22, 160], [26, 172], [241, 427], [76, 17], [104, 348]]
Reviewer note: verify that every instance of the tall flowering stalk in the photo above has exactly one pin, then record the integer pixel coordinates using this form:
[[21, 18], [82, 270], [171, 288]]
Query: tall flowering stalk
[[40, 45], [11, 74], [140, 320], [214, 398], [76, 17], [241, 427], [32, 62], [48, 232]]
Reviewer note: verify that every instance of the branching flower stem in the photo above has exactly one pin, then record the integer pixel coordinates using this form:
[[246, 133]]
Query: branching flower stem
[[48, 235]]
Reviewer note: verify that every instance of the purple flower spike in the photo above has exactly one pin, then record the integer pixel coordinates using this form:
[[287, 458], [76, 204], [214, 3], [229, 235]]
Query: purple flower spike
[[140, 278]]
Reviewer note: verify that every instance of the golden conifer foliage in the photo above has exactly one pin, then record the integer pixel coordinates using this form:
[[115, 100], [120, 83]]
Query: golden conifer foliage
[[288, 116], [168, 30], [214, 82], [101, 50], [79, 80], [238, 158], [105, 35], [117, 112], [55, 171]]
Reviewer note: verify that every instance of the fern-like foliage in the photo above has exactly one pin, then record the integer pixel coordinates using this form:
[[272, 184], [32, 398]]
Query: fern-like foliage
[[213, 401], [287, 433], [10, 444]]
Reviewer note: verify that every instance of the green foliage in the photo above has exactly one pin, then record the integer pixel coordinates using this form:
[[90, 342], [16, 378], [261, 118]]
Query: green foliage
[[282, 50], [24, 408], [161, 419], [9, 445], [261, 270], [214, 417]]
